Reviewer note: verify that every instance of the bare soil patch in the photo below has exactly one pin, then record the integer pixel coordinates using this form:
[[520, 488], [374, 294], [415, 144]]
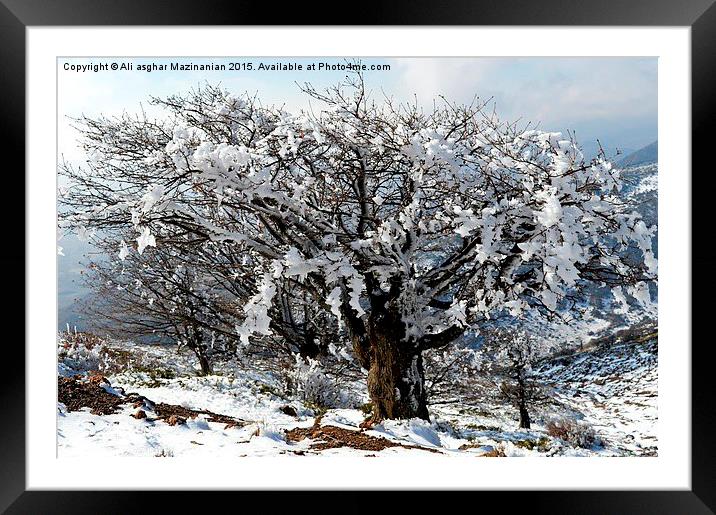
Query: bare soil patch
[[79, 392], [166, 411], [76, 394], [332, 437]]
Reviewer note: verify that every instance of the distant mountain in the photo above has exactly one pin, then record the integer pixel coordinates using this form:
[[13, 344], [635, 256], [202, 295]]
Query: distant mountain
[[646, 155], [592, 148]]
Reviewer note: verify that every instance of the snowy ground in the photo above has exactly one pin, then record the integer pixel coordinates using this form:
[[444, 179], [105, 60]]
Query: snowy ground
[[611, 387], [614, 391]]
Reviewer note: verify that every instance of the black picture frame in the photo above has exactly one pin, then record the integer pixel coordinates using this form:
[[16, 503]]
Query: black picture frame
[[700, 15]]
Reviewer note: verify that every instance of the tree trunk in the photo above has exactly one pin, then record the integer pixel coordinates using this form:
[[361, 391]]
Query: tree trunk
[[396, 380], [522, 392], [204, 363], [200, 353], [196, 344], [524, 418]]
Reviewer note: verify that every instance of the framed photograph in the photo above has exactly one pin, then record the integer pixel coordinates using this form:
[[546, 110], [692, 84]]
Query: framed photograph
[[266, 251]]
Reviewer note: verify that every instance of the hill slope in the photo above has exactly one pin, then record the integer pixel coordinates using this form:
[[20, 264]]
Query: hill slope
[[645, 155], [612, 385]]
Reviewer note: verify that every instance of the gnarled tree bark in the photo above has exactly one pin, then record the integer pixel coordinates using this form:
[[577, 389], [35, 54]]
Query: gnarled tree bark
[[396, 379]]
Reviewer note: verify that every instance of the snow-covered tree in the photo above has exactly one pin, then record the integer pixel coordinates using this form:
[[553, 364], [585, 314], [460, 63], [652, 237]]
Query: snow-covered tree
[[407, 228], [511, 353], [157, 296]]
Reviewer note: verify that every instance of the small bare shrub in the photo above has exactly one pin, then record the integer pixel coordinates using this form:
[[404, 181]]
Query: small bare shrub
[[573, 432], [79, 352], [308, 382]]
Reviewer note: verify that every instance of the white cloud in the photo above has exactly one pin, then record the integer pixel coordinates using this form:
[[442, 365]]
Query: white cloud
[[600, 97], [560, 93]]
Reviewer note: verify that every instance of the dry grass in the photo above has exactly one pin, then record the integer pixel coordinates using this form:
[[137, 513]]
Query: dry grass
[[572, 432]]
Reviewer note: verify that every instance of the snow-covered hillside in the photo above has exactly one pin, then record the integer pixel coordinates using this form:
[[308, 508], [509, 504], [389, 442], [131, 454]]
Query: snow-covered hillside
[[613, 387], [607, 391]]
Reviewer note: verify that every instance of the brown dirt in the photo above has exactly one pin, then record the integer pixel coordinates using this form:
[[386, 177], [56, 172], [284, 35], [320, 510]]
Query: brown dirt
[[494, 453], [76, 394], [165, 411], [79, 392], [174, 420], [331, 437]]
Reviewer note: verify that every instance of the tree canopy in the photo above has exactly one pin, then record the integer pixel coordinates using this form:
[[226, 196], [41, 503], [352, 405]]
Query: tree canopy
[[395, 224]]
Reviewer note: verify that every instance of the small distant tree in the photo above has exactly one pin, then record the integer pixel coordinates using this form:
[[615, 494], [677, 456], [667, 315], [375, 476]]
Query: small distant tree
[[154, 296], [158, 294], [512, 354]]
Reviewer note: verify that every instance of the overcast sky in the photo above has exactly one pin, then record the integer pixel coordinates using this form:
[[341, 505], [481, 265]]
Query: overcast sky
[[613, 99]]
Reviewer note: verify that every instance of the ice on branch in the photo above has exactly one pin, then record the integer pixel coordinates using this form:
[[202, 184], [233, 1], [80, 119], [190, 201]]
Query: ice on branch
[[145, 239]]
